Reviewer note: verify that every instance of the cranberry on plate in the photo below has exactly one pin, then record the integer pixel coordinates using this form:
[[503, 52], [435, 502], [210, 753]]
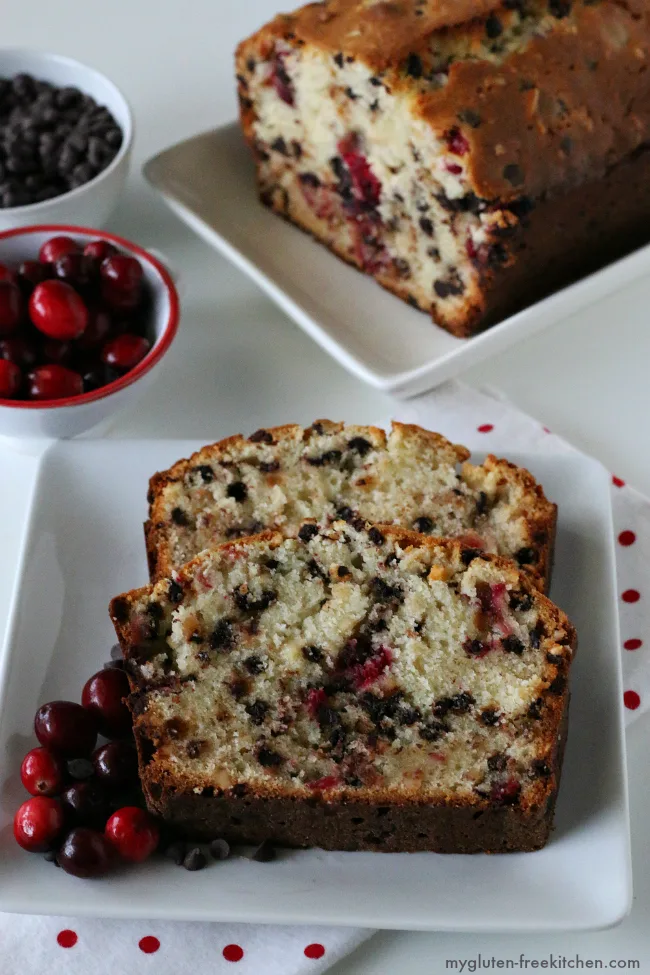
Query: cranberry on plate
[[85, 853], [121, 272], [66, 728], [57, 247], [38, 824], [10, 379], [125, 351], [42, 772], [31, 273], [54, 382], [133, 833], [103, 695], [97, 330], [86, 803], [57, 310], [116, 764]]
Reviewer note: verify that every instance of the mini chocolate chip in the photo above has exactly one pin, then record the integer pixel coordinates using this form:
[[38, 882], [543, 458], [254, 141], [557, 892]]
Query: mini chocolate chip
[[513, 174], [254, 664], [239, 688], [222, 637], [50, 857], [493, 27], [350, 93], [554, 658], [257, 711], [318, 427], [423, 524], [521, 601], [270, 467], [329, 457], [206, 473], [272, 564], [315, 569], [408, 715], [377, 82], [155, 611], [237, 490], [261, 436], [195, 859], [449, 288], [418, 626], [338, 57], [279, 145], [426, 226], [194, 747], [378, 626], [497, 763], [343, 571], [269, 758], [470, 117], [526, 556], [511, 644], [433, 731], [557, 685], [383, 591], [414, 65], [469, 554], [460, 703], [312, 653], [535, 708], [536, 635], [219, 849], [481, 503], [80, 768], [376, 536], [475, 648], [489, 716], [174, 591], [360, 445], [179, 517], [412, 301], [239, 790], [265, 852], [539, 769], [307, 532], [176, 852], [175, 728]]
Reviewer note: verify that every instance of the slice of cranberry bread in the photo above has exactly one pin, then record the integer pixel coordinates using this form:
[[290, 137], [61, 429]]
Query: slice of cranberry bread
[[350, 688], [413, 478], [469, 156]]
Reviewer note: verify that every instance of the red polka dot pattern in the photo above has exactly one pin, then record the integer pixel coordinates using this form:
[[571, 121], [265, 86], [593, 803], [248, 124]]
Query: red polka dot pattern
[[67, 938], [485, 428], [633, 644], [314, 951], [631, 596], [631, 700], [627, 538], [233, 953], [617, 482], [149, 944]]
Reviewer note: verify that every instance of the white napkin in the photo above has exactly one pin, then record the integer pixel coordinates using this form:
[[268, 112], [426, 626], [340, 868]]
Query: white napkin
[[68, 946]]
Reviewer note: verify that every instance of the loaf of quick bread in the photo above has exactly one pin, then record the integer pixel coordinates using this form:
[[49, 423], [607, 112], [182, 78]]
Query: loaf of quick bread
[[470, 155]]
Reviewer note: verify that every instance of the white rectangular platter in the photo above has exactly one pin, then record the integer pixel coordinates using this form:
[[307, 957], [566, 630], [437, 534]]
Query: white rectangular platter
[[209, 182], [84, 544]]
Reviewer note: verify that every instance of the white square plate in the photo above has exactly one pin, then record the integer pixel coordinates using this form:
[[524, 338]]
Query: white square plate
[[85, 544], [209, 182]]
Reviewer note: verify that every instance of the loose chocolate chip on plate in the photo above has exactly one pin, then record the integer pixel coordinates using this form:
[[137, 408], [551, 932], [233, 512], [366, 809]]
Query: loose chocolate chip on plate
[[265, 852], [195, 859], [219, 849]]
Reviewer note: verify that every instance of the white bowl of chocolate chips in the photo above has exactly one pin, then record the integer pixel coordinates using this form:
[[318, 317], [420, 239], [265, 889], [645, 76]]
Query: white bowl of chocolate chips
[[65, 140]]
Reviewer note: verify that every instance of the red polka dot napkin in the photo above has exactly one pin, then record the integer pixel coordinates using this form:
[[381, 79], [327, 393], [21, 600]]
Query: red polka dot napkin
[[487, 422]]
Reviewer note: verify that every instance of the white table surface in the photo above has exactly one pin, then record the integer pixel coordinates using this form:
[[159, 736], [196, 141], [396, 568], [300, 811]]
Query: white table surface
[[238, 359]]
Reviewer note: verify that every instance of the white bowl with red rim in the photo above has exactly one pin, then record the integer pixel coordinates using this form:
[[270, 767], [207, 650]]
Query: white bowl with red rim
[[68, 417]]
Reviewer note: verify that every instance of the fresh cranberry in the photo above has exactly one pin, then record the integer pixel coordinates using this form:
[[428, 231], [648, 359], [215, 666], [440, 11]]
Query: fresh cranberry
[[38, 823], [11, 307], [76, 270], [19, 349], [6, 274], [57, 310], [42, 773], [99, 250], [281, 81], [66, 728], [56, 247], [125, 351], [99, 325], [10, 379], [103, 695], [97, 376], [53, 382], [116, 764], [85, 853], [133, 832], [456, 142], [122, 273], [124, 302], [86, 804], [55, 352], [31, 273]]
